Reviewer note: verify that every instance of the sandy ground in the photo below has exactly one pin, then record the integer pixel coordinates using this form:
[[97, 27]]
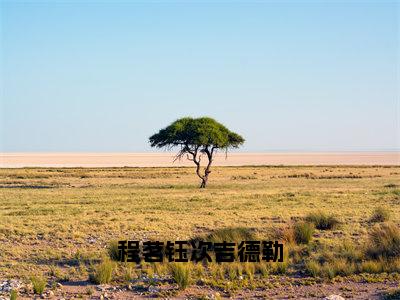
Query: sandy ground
[[17, 160], [346, 289]]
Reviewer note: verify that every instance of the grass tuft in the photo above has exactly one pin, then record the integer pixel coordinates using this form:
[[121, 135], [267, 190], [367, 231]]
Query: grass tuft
[[38, 284], [112, 250], [303, 232], [181, 274], [384, 242], [330, 269], [371, 266], [380, 214], [322, 221], [349, 251], [313, 268], [103, 272]]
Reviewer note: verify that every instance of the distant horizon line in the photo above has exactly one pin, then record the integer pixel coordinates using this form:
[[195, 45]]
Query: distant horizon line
[[220, 151], [165, 159]]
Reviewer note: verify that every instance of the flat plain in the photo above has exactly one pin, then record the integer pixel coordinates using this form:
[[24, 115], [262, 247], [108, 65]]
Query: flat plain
[[57, 224], [165, 159]]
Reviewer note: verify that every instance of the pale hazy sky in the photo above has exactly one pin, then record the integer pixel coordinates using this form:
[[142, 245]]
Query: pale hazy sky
[[87, 76]]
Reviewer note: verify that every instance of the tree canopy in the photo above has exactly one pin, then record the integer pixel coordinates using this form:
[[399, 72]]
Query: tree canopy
[[197, 136], [191, 132]]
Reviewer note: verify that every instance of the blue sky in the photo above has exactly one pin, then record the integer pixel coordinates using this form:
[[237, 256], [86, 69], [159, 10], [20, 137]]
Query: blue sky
[[292, 76]]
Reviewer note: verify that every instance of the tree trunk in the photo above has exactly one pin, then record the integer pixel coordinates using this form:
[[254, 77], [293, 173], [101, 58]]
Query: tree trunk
[[207, 171], [204, 182], [203, 179]]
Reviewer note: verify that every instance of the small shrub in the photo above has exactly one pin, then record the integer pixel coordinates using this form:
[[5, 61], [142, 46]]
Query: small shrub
[[38, 284], [384, 242], [380, 214], [13, 295], [303, 232], [181, 274], [322, 221], [103, 273]]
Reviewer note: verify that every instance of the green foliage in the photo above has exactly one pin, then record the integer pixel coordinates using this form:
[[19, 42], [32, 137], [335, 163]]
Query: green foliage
[[303, 232], [200, 132], [322, 221], [384, 241], [380, 214], [38, 284], [103, 272], [196, 137], [181, 274]]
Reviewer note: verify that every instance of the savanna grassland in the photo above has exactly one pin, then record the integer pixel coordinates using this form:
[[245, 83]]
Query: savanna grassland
[[339, 224]]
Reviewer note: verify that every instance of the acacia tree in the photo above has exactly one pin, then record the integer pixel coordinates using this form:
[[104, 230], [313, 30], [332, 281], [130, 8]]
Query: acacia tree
[[195, 138]]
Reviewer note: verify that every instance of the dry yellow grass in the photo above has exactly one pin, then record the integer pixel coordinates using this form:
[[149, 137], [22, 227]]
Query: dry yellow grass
[[64, 216]]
